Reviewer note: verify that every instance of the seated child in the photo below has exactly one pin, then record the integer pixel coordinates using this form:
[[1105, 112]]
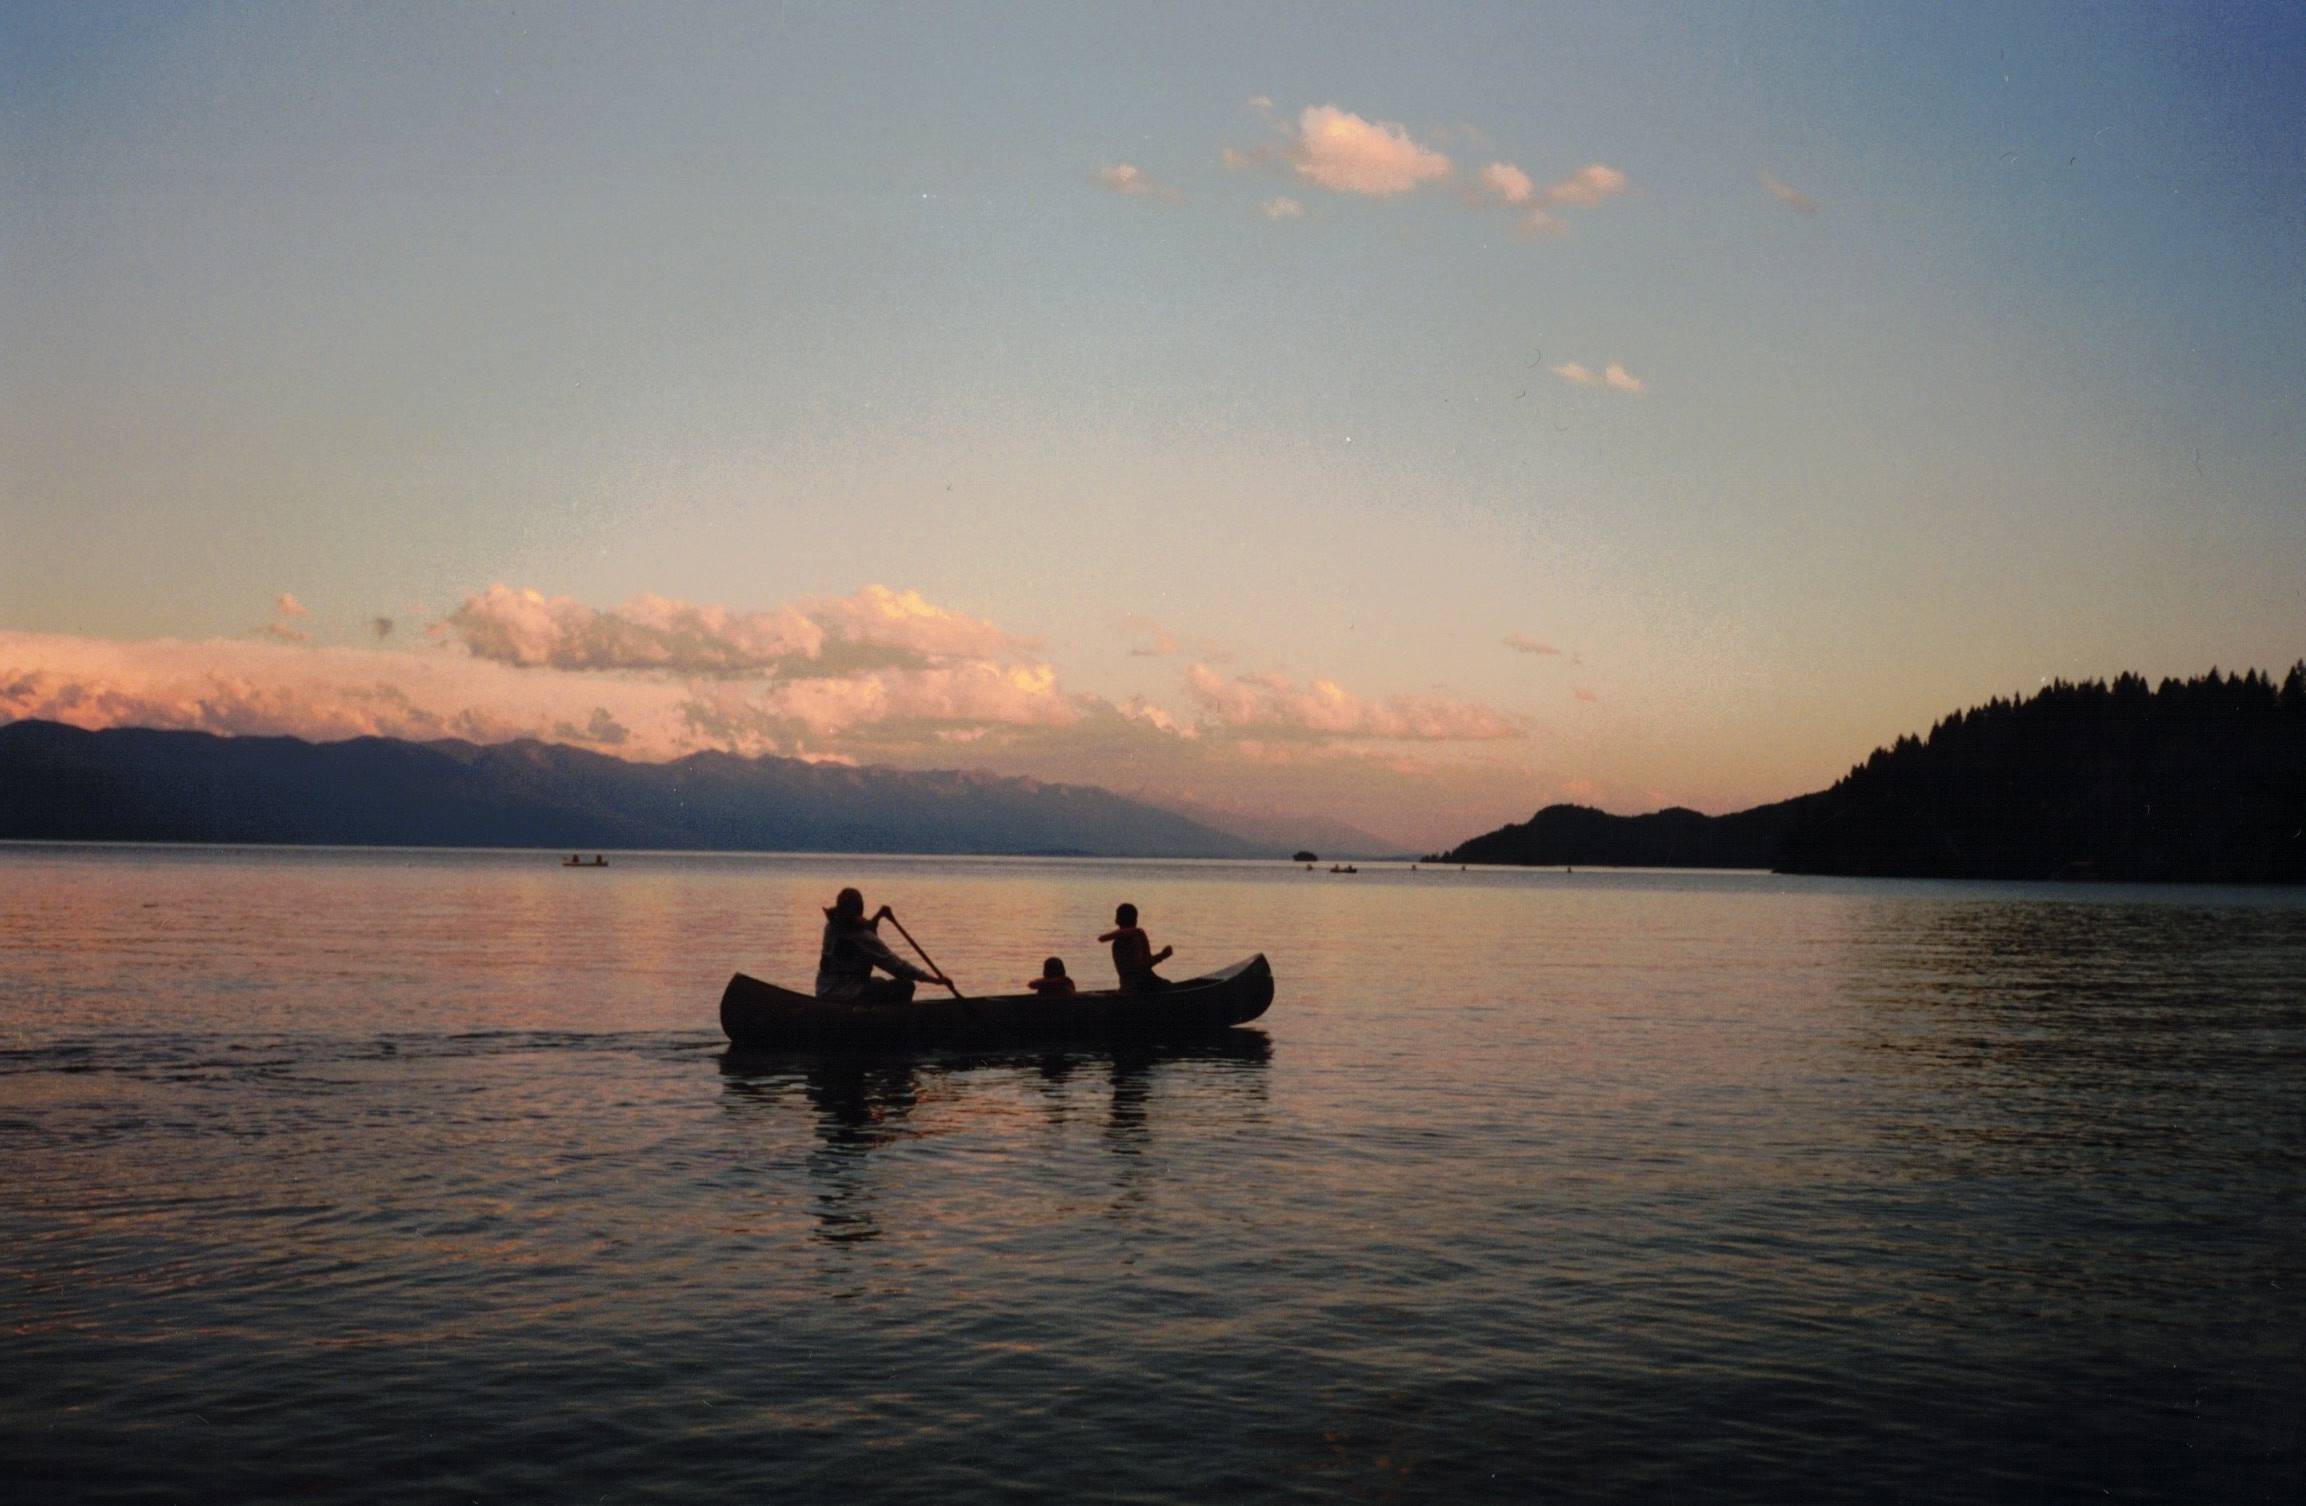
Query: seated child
[[1052, 982], [1133, 954]]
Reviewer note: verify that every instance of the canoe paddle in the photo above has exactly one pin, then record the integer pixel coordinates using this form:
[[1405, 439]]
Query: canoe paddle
[[916, 946]]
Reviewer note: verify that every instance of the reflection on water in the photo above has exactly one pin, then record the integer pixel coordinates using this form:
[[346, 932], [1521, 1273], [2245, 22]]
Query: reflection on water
[[860, 1103], [2120, 1015], [330, 1167]]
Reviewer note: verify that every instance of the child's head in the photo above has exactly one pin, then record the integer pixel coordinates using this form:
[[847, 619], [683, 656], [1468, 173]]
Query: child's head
[[1053, 967], [1126, 915]]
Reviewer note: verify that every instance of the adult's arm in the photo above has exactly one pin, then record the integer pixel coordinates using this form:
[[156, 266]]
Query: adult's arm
[[878, 950]]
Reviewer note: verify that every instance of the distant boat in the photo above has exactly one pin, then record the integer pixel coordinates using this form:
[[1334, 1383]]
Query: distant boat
[[573, 861], [1343, 868], [763, 1017]]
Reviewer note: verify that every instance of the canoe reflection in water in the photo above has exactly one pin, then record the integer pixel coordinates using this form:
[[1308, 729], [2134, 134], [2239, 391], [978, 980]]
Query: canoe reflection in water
[[969, 1135]]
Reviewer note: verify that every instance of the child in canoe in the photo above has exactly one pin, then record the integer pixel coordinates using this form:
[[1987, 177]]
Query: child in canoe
[[1133, 954], [1052, 984]]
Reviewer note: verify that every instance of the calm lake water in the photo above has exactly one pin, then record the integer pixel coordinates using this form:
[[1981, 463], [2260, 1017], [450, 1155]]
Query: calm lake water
[[333, 1175]]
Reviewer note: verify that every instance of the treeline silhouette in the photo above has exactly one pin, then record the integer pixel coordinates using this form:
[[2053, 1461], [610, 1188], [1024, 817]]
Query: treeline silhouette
[[2198, 780], [2190, 780]]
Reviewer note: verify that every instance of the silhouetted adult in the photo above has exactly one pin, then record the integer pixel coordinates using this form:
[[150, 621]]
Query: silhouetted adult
[[853, 948]]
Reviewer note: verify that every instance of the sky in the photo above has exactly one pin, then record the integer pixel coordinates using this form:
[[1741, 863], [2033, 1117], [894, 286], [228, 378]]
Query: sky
[[1409, 416]]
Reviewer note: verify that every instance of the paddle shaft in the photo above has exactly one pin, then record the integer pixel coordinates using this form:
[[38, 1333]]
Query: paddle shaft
[[925, 957]]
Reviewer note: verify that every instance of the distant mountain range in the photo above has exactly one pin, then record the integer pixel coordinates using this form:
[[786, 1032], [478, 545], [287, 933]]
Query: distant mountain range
[[132, 784], [1270, 831], [2200, 780]]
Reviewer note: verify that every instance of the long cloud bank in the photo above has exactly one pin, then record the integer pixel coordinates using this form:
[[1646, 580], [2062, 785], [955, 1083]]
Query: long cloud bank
[[878, 676]]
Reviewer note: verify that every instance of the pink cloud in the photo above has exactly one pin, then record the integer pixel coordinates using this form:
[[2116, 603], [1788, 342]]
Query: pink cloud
[[1522, 643], [875, 627], [286, 609], [1128, 178], [1345, 153], [1507, 183], [273, 689], [518, 664], [1792, 198], [1274, 705], [1613, 376], [907, 622], [1584, 694], [1282, 207], [1022, 695], [526, 628], [1587, 186]]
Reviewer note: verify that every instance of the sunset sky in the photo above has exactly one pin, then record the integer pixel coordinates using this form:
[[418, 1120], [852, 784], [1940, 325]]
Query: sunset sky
[[1410, 414]]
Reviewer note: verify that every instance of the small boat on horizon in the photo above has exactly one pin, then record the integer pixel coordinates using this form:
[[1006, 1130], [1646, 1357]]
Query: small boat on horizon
[[760, 1016], [599, 860]]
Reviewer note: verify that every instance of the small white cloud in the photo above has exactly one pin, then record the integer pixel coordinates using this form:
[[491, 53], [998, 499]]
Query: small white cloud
[[286, 609], [1282, 207], [1588, 185], [1346, 154], [1502, 180], [1792, 198], [1540, 222], [1612, 375], [1128, 178]]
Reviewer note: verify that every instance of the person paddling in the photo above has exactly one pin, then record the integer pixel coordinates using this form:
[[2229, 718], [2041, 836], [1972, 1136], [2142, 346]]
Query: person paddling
[[1133, 954], [853, 948]]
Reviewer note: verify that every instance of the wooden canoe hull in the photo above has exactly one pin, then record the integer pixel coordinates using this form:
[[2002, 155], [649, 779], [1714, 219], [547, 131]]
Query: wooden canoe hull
[[763, 1017]]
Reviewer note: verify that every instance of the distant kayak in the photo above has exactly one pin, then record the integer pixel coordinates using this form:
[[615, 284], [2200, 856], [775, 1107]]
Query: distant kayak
[[762, 1016]]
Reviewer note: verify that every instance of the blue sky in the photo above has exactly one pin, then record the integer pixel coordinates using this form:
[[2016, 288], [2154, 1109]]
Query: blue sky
[[739, 308]]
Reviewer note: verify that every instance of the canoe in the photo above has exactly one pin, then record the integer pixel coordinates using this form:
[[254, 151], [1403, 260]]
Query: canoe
[[763, 1017]]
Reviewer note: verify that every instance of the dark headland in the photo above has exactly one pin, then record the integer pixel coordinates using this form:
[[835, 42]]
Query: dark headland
[[2190, 781]]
